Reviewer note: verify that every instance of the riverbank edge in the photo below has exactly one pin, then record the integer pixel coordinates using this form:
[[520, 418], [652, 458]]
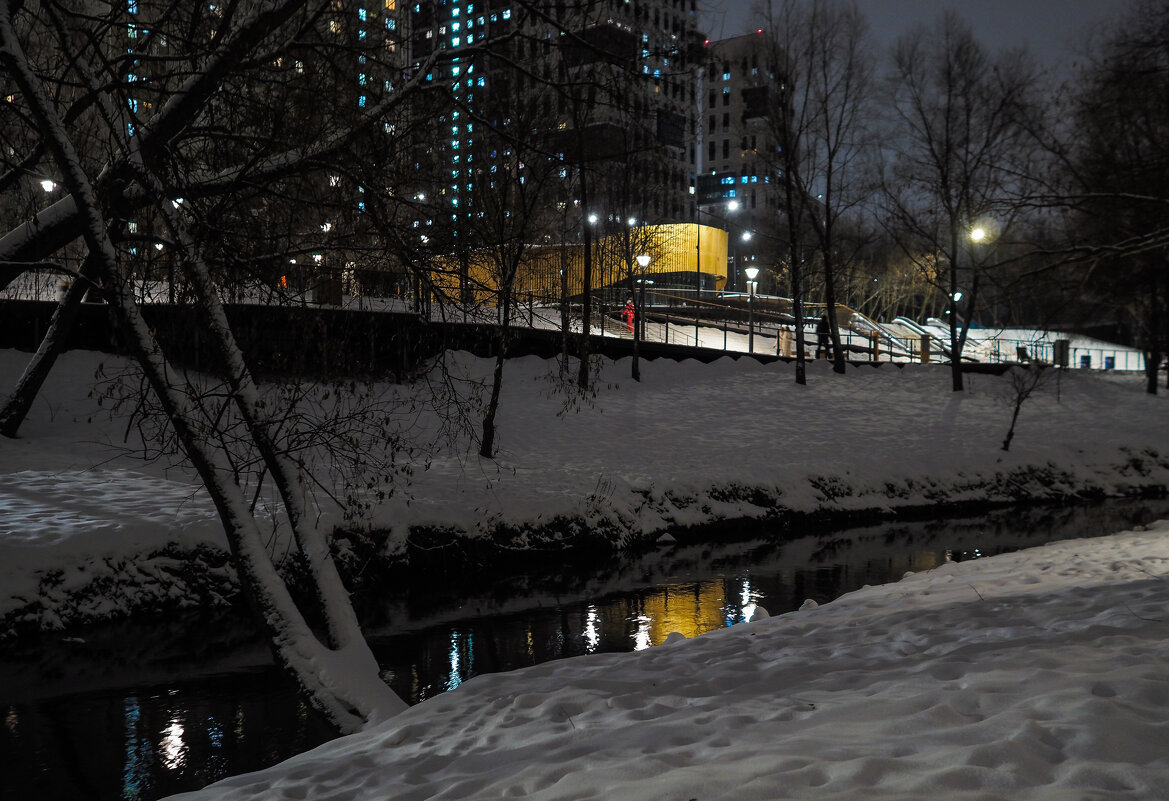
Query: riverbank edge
[[201, 581]]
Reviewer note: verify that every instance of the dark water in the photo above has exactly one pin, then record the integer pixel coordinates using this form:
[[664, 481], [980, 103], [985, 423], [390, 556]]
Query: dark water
[[144, 711]]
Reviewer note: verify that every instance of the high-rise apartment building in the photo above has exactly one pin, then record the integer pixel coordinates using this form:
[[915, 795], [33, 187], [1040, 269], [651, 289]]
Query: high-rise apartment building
[[738, 175], [606, 86]]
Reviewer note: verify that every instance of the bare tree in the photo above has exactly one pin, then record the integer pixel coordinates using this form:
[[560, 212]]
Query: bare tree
[[959, 142], [1116, 159], [160, 160], [819, 119], [1025, 379]]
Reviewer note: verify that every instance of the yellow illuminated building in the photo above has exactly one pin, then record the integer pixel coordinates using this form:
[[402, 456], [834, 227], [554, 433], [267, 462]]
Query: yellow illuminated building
[[673, 252]]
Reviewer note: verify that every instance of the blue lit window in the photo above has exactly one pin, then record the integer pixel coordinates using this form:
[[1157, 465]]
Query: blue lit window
[[361, 205], [507, 13], [480, 81], [455, 27], [361, 79], [455, 71], [361, 34], [391, 24], [361, 102], [129, 129], [743, 180], [726, 76], [455, 41], [132, 6], [361, 14], [455, 12]]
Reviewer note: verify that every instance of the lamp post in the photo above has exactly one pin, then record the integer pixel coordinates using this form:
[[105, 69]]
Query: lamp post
[[642, 262], [751, 272], [743, 237]]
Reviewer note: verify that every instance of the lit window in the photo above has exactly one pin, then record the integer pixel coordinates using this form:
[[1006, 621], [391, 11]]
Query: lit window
[[361, 102], [361, 14]]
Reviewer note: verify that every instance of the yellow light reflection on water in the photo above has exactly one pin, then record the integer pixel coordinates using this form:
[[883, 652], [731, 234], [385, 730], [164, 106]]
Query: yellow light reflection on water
[[690, 609]]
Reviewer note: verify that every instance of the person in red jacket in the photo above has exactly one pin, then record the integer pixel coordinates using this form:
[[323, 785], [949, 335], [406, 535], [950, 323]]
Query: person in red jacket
[[629, 315]]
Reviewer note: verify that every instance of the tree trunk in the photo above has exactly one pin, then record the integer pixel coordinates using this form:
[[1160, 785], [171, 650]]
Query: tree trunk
[[16, 409], [838, 358], [342, 681], [582, 378], [487, 446], [955, 344]]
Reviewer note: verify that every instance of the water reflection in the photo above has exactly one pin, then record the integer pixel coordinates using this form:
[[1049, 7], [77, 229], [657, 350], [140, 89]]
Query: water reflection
[[130, 719]]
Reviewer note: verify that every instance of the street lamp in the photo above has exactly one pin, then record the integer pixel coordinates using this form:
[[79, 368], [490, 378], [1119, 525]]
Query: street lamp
[[642, 262], [751, 272], [743, 237], [977, 234], [48, 185]]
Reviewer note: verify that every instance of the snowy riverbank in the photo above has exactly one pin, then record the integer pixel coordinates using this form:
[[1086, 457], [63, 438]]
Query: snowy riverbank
[[91, 530], [1038, 675]]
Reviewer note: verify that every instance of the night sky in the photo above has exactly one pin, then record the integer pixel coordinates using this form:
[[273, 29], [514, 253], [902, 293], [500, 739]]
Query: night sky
[[1050, 28]]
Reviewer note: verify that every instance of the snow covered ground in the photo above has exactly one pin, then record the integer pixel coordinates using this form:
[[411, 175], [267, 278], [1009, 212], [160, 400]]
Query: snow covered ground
[[1038, 675], [1034, 675], [689, 445]]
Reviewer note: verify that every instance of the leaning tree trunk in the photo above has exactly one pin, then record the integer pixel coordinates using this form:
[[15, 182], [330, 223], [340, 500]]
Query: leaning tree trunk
[[52, 344], [341, 680]]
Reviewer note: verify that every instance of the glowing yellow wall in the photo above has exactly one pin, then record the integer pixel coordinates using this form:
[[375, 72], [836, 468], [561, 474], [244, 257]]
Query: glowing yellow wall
[[671, 248]]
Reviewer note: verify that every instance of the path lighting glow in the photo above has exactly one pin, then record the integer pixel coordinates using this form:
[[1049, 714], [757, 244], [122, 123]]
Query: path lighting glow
[[632, 221], [978, 234], [593, 218], [48, 185]]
